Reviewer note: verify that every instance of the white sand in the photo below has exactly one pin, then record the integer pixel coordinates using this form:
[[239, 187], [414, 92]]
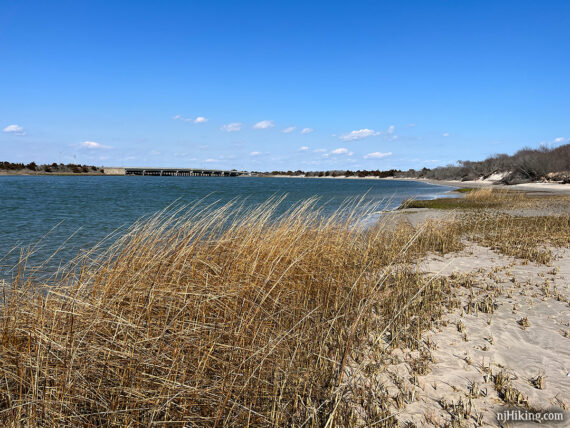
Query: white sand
[[548, 187], [527, 291], [543, 187], [495, 342]]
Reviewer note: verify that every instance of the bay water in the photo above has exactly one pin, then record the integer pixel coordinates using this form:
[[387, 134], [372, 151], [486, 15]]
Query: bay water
[[48, 211]]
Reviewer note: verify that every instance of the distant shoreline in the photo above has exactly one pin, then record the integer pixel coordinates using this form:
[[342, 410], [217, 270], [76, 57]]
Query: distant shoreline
[[31, 173], [532, 187], [539, 187]]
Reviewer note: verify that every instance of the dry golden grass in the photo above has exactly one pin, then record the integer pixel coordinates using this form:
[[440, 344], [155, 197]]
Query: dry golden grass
[[488, 195], [216, 317], [499, 199], [476, 199], [487, 218], [223, 317], [528, 238], [518, 200]]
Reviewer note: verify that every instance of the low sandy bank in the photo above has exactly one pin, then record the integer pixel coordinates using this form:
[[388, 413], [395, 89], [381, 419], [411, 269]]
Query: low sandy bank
[[506, 344], [544, 188], [524, 334]]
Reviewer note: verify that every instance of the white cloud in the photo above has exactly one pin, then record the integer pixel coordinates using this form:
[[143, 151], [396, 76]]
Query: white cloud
[[255, 153], [210, 160], [232, 127], [199, 119], [307, 130], [391, 129], [377, 155], [289, 129], [93, 145], [319, 151], [264, 124], [15, 129], [559, 139], [446, 134], [340, 151], [303, 148], [358, 135]]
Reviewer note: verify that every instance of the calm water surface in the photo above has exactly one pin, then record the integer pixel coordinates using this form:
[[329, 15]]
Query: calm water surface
[[89, 208]]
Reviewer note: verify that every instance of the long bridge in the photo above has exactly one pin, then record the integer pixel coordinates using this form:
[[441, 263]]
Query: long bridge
[[173, 172]]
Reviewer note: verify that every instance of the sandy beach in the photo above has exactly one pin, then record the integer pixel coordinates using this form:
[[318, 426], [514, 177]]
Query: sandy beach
[[512, 320], [474, 343], [532, 188]]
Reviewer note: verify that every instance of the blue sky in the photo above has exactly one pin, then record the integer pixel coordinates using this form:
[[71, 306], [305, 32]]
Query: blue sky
[[359, 84]]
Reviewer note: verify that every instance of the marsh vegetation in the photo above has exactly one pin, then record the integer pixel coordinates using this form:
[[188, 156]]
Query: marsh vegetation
[[221, 316]]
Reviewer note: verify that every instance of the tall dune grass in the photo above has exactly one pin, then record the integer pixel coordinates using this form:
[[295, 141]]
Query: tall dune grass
[[213, 316], [223, 316]]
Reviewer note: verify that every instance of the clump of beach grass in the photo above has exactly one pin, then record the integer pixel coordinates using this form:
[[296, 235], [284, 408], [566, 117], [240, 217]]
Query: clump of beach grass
[[509, 394], [214, 316]]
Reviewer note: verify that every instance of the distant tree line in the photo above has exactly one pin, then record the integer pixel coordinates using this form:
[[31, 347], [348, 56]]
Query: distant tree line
[[47, 168], [341, 173], [524, 166]]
